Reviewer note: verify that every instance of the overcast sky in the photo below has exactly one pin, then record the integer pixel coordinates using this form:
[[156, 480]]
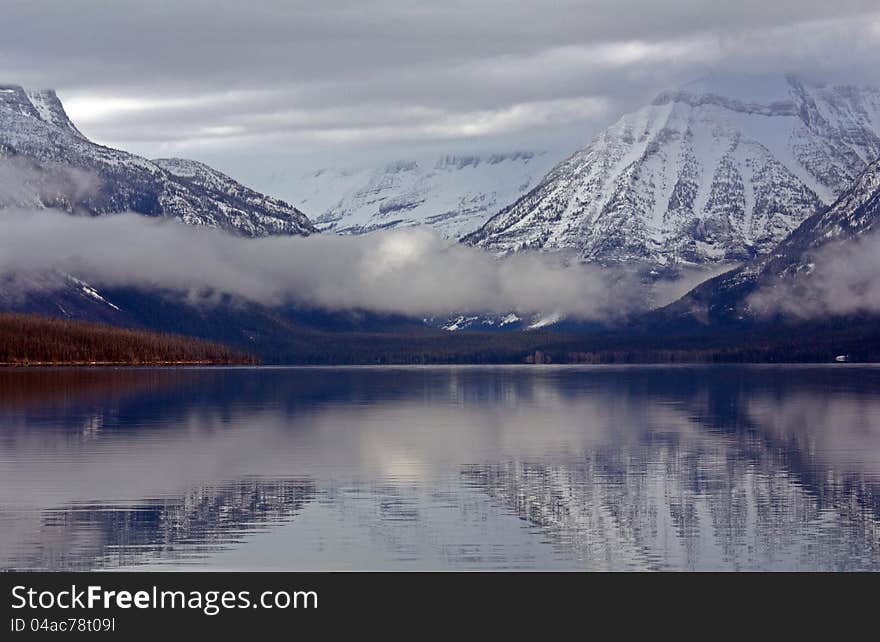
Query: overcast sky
[[339, 81]]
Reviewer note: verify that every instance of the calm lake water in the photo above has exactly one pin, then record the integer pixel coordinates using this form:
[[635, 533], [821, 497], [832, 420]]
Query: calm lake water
[[536, 467]]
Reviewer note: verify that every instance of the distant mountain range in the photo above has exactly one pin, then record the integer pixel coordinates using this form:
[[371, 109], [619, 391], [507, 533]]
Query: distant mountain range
[[48, 162], [453, 194], [768, 174], [715, 171]]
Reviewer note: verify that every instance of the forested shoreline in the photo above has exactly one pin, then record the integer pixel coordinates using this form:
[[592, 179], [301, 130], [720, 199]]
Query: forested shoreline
[[30, 340]]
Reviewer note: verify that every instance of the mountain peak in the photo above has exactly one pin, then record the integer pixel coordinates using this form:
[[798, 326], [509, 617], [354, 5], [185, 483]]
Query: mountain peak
[[765, 94], [15, 98], [718, 170], [67, 171], [50, 110], [42, 104]]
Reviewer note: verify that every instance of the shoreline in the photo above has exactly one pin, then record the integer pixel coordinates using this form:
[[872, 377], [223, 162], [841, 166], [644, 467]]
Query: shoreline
[[542, 366], [133, 364]]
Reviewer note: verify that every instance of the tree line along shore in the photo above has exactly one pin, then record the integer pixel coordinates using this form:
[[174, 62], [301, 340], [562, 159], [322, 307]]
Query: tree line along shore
[[30, 340]]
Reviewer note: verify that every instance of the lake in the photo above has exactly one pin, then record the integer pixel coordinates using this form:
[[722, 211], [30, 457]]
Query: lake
[[519, 467]]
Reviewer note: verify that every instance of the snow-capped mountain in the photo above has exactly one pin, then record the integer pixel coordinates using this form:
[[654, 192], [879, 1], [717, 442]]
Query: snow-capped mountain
[[722, 169], [45, 161], [260, 215], [454, 194], [789, 267]]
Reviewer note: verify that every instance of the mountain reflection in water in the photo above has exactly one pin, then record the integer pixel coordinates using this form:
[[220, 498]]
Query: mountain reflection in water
[[729, 467]]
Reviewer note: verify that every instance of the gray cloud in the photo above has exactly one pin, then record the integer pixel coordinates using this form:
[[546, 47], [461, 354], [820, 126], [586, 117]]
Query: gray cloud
[[411, 271], [24, 183], [667, 290], [840, 279], [214, 79]]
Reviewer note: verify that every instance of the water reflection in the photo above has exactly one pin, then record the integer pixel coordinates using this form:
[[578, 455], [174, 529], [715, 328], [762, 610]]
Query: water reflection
[[204, 520], [542, 467]]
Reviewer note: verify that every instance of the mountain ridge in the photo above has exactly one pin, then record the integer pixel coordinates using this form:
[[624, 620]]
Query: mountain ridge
[[697, 176], [52, 162], [452, 193], [726, 299]]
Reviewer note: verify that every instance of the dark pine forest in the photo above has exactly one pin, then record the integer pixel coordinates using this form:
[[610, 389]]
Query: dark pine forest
[[37, 340]]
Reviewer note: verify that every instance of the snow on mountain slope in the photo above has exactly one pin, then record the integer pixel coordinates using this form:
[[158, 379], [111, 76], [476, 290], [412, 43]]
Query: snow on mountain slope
[[787, 271], [453, 194], [45, 161], [50, 110], [268, 214], [718, 170]]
